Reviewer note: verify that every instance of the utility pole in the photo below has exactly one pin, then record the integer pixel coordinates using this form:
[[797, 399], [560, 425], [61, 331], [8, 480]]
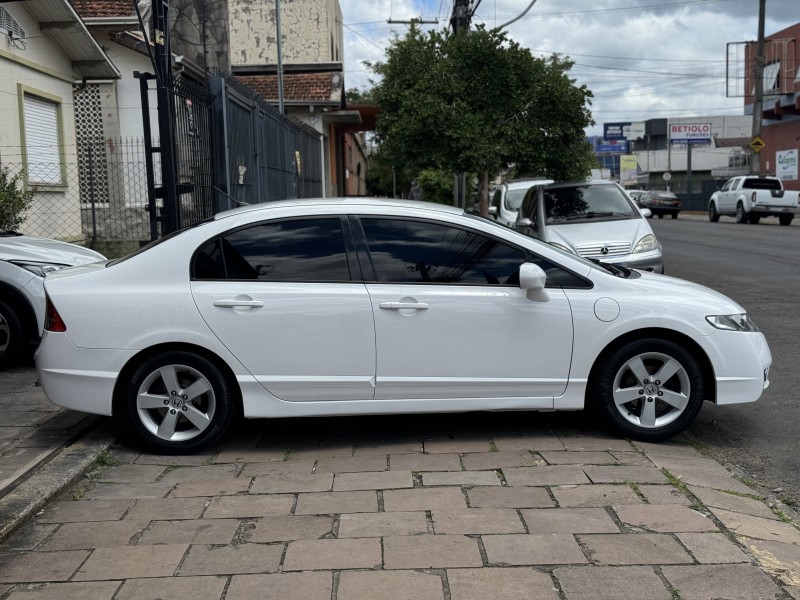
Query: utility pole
[[755, 165], [413, 22], [462, 15]]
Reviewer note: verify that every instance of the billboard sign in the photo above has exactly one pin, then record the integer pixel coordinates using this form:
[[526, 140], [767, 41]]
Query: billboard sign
[[615, 131], [685, 133], [627, 169], [786, 168]]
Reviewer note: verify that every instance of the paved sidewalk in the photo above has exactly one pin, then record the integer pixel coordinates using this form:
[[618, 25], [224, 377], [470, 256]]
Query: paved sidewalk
[[460, 507]]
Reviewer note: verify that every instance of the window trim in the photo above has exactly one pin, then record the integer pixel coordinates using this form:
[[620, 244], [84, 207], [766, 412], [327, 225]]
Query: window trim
[[24, 92]]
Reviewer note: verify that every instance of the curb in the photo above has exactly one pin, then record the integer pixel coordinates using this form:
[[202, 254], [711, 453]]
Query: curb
[[62, 471]]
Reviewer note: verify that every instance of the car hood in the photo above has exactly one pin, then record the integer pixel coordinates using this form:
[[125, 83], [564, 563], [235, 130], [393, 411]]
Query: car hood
[[43, 250], [681, 290], [589, 231]]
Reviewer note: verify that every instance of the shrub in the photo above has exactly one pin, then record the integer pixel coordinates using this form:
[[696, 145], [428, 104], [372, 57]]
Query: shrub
[[14, 200]]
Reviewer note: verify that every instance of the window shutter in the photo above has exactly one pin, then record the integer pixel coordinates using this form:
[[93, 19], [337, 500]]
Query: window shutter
[[41, 141]]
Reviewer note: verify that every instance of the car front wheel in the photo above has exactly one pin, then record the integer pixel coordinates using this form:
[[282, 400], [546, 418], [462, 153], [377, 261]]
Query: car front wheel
[[178, 402], [12, 344], [649, 389], [713, 215]]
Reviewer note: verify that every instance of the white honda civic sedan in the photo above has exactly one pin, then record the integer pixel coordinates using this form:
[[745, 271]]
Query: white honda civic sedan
[[365, 306]]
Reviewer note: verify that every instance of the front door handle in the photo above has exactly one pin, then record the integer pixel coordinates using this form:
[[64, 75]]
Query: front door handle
[[403, 306], [238, 303]]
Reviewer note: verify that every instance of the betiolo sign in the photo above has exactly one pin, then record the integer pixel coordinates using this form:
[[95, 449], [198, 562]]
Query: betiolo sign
[[683, 133]]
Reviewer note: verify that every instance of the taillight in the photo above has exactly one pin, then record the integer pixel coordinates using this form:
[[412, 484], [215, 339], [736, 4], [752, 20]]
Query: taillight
[[53, 320], [753, 198]]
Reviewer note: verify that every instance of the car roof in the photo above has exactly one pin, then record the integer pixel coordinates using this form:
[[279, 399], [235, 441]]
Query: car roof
[[587, 182], [517, 184], [344, 203]]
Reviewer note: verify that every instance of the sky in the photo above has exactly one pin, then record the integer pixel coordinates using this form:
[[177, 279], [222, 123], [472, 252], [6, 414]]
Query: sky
[[642, 59]]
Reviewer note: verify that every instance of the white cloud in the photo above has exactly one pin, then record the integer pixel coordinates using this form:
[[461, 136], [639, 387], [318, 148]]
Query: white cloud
[[642, 59]]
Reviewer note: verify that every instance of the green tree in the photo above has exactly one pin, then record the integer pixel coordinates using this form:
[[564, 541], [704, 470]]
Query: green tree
[[480, 103], [14, 200]]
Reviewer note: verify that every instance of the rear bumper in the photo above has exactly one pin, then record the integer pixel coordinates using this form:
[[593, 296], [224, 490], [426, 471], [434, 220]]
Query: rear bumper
[[767, 210]]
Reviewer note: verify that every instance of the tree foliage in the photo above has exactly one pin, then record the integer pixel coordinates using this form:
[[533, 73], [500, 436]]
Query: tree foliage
[[479, 103], [14, 200]]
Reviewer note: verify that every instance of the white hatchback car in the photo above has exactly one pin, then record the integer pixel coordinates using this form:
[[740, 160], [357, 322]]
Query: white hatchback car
[[594, 219], [363, 306], [24, 261]]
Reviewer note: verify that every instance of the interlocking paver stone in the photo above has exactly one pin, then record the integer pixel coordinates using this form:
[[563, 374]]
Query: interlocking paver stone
[[712, 548], [578, 458], [601, 474], [733, 502], [260, 505], [215, 487], [90, 590], [506, 497], [291, 483], [595, 495], [533, 549], [166, 510], [308, 555], [130, 562], [132, 474], [397, 585], [587, 443], [430, 552], [611, 583], [84, 510], [119, 491], [423, 499], [477, 521], [515, 583], [664, 518], [326, 503], [201, 473], [191, 531], [758, 528], [527, 442], [461, 478], [549, 475], [232, 559], [778, 558], [425, 462], [196, 588], [372, 481], [186, 460], [281, 586], [303, 466], [382, 524], [457, 446], [352, 464], [634, 549], [497, 460], [732, 582], [77, 536], [569, 520], [285, 528], [717, 482], [32, 567], [664, 494], [250, 455]]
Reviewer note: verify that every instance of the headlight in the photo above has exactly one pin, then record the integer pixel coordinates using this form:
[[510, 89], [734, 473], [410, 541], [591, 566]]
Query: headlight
[[40, 269], [647, 244], [561, 247], [738, 322]]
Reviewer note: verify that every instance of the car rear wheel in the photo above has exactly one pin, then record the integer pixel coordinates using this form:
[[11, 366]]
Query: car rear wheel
[[713, 215], [674, 215], [178, 402], [742, 216], [12, 344], [649, 389], [785, 219]]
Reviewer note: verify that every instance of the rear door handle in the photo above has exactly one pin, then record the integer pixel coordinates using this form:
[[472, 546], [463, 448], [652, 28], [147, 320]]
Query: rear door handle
[[403, 306], [238, 303]]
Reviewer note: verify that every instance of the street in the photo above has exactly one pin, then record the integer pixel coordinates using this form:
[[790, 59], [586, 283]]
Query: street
[[756, 265]]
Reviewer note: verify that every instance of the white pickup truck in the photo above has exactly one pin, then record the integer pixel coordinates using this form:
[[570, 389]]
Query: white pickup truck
[[748, 198]]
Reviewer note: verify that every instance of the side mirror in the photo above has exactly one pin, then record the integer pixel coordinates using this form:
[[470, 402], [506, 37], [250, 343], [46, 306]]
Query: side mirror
[[492, 210], [524, 222], [646, 212], [532, 279]]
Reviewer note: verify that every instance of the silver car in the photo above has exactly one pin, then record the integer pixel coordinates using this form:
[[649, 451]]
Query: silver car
[[593, 219]]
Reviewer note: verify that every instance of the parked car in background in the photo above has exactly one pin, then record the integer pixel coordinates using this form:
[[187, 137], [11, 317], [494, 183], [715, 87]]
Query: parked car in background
[[593, 219], [24, 262], [635, 195], [749, 198], [661, 203], [506, 199], [359, 306]]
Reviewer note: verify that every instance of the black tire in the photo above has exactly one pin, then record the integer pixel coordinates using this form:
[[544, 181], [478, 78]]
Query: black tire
[[674, 215], [168, 421], [13, 344], [741, 215], [672, 404], [713, 215], [660, 216], [785, 219], [754, 219]]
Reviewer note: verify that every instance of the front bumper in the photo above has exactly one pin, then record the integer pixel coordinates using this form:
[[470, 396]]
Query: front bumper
[[742, 366]]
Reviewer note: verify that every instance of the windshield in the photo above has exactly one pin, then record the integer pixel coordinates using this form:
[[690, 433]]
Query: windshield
[[514, 198], [567, 204]]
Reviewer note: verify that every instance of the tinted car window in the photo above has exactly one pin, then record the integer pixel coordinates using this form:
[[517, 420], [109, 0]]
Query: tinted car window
[[301, 250], [417, 252]]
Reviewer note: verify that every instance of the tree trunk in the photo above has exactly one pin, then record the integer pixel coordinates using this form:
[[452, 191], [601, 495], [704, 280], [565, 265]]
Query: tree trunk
[[484, 194]]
